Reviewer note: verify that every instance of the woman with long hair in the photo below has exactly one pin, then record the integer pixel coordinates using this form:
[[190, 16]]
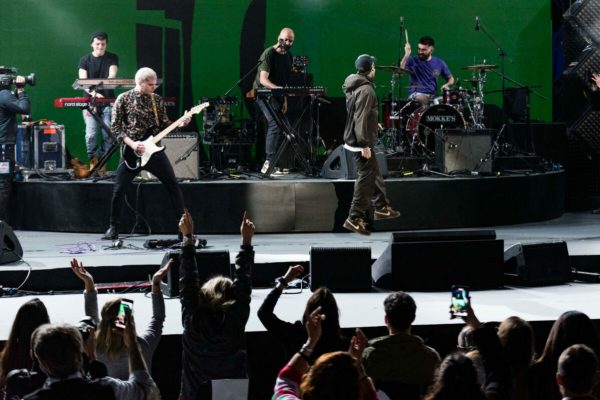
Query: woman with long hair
[[16, 352], [293, 335], [572, 327], [110, 348], [516, 337]]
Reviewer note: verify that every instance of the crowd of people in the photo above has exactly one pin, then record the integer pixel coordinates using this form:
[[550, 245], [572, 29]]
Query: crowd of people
[[97, 359]]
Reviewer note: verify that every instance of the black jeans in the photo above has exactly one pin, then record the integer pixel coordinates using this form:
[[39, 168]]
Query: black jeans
[[274, 135], [6, 181], [160, 167], [369, 186]]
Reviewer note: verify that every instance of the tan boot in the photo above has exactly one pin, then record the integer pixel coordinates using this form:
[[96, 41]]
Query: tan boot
[[93, 162]]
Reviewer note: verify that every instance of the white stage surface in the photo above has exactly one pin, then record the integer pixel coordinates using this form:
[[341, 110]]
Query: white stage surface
[[581, 231]]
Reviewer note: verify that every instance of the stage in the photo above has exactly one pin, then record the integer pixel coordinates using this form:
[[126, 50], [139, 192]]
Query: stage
[[293, 203]]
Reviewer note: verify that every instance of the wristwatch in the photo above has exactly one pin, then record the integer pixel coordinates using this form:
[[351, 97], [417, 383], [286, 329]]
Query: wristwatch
[[282, 281]]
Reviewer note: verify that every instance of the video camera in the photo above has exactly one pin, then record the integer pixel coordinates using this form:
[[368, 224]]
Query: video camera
[[8, 76]]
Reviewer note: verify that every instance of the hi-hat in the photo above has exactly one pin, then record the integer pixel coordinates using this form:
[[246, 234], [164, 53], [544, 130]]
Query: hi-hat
[[480, 67], [392, 68]]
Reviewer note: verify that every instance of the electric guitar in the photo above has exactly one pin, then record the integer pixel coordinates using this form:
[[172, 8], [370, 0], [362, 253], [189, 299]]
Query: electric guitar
[[134, 160]]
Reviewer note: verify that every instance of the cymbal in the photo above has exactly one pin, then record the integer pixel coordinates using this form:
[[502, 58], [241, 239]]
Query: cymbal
[[480, 67], [392, 68], [474, 81]]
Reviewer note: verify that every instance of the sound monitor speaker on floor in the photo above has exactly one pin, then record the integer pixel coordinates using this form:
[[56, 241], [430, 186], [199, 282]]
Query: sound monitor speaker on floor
[[537, 264], [341, 269], [463, 150], [341, 165], [210, 263], [10, 249], [435, 260]]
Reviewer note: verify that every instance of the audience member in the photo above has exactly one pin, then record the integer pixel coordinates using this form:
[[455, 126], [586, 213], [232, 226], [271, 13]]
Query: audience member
[[577, 372], [457, 376], [16, 352], [20, 382], [292, 335], [334, 376], [59, 351], [572, 327], [111, 350], [466, 344], [410, 377], [516, 337], [214, 315]]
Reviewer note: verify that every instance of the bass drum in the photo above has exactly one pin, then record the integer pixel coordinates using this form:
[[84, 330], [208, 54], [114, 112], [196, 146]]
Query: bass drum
[[424, 121]]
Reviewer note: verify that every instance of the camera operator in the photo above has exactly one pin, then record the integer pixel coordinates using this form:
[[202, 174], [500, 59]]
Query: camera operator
[[11, 104]]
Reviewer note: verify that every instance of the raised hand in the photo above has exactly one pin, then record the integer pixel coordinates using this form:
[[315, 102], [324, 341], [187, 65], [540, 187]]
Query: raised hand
[[186, 224], [358, 343], [161, 273], [247, 229], [83, 274]]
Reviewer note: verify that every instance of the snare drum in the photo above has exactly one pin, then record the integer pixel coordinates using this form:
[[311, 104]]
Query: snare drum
[[424, 121]]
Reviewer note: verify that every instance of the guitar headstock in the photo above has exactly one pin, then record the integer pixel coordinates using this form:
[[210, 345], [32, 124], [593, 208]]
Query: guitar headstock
[[198, 109]]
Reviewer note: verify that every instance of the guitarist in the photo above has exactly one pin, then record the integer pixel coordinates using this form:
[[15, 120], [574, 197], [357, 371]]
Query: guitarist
[[137, 114]]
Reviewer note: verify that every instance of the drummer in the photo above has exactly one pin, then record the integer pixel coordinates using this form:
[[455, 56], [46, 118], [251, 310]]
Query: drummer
[[424, 70]]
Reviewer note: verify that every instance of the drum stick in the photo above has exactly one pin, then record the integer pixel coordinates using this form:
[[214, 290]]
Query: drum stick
[[406, 34]]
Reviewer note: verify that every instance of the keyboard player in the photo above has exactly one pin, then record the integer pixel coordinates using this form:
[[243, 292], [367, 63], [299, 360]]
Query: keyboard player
[[274, 72], [98, 64]]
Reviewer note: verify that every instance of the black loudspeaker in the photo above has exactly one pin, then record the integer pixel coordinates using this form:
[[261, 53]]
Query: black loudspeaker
[[10, 250], [210, 263], [435, 260], [341, 269], [537, 264], [463, 150], [182, 150], [341, 165]]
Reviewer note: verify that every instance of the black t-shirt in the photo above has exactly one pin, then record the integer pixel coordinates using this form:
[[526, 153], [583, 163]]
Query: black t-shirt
[[279, 67], [99, 67]]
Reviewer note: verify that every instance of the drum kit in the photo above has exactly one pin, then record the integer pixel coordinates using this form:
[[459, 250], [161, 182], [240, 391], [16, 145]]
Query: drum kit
[[410, 124]]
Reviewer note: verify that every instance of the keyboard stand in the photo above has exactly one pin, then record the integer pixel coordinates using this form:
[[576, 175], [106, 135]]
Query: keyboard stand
[[290, 139]]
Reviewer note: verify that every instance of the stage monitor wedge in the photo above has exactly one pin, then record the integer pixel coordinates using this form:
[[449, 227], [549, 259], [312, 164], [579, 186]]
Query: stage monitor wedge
[[440, 259], [537, 264], [10, 250]]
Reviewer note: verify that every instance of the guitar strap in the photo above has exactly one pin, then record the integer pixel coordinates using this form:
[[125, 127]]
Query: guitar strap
[[155, 110]]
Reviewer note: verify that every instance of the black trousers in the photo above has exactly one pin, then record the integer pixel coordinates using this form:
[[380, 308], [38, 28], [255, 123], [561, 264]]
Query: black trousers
[[6, 181], [369, 186], [274, 136], [160, 167]]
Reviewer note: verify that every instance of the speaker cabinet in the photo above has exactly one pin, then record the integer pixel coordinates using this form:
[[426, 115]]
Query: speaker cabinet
[[182, 151], [537, 264], [341, 165], [435, 260], [10, 250], [210, 263], [341, 269], [463, 150]]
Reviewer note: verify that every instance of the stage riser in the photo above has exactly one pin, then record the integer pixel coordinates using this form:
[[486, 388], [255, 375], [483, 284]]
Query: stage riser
[[294, 205]]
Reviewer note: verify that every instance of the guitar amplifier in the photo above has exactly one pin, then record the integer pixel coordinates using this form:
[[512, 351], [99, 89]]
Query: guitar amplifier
[[49, 147], [459, 150], [182, 151]]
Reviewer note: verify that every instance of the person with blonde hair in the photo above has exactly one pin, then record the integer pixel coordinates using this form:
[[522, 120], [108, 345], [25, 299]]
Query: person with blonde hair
[[214, 315], [111, 349]]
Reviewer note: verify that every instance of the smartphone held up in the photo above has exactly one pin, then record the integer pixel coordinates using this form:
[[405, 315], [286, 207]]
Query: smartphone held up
[[125, 308], [459, 301]]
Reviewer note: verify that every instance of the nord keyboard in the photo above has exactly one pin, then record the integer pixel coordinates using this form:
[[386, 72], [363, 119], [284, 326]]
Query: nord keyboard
[[292, 91], [66, 102]]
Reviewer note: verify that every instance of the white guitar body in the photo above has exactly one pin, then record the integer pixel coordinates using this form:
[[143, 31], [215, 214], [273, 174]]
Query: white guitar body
[[150, 148]]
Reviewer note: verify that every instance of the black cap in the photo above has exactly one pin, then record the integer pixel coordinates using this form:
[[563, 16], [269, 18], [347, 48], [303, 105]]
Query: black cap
[[364, 62]]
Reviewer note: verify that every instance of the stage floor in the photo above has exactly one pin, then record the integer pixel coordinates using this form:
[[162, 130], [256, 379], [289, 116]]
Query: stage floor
[[48, 251]]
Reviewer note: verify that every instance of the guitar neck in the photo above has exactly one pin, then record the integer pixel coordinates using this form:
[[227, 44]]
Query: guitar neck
[[167, 130]]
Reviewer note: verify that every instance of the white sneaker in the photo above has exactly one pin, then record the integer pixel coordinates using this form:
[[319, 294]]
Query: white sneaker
[[265, 167]]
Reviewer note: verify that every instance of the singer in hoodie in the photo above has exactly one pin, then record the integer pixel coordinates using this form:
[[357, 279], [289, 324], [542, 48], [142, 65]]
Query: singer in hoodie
[[274, 72], [360, 135]]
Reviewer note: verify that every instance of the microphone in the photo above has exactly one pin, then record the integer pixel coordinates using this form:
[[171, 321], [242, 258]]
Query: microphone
[[281, 44], [401, 24], [476, 23]]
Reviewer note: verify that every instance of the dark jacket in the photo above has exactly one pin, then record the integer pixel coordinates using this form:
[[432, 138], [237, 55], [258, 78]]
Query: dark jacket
[[77, 388], [362, 109], [10, 106], [497, 373], [293, 335], [213, 341]]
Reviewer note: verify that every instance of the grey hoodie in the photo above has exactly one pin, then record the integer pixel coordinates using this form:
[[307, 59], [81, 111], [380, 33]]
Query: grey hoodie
[[362, 108]]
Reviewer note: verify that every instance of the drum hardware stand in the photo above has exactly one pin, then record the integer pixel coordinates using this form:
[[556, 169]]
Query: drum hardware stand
[[115, 145], [492, 151]]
